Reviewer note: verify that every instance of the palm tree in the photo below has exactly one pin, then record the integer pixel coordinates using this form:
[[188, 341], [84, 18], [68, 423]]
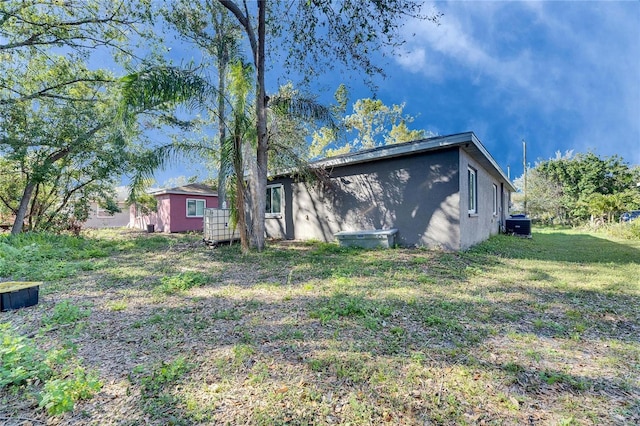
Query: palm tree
[[159, 89], [241, 133], [164, 86], [208, 25]]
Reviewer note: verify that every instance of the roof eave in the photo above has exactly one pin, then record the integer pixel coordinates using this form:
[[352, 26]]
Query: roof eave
[[202, 194], [461, 140]]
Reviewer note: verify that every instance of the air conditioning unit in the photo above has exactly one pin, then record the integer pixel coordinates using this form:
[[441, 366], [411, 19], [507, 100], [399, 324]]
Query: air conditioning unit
[[519, 225]]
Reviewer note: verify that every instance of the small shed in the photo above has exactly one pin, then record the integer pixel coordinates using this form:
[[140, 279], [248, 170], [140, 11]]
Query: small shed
[[179, 209]]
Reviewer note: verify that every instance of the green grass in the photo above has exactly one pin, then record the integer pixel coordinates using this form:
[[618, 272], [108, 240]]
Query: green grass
[[181, 282], [344, 305], [157, 398], [512, 331], [46, 257]]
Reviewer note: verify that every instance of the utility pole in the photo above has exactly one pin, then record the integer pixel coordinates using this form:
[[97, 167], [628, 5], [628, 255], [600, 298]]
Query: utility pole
[[524, 163]]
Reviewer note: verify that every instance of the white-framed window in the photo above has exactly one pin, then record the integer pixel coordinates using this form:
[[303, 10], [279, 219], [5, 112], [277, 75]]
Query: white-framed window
[[472, 180], [195, 207], [103, 213], [274, 200], [495, 199]]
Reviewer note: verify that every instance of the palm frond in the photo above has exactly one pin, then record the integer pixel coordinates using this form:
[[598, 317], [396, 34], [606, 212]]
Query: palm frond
[[227, 155], [162, 86], [306, 108], [240, 85], [147, 163]]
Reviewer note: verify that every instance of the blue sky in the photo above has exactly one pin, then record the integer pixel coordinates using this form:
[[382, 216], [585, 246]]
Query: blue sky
[[560, 75]]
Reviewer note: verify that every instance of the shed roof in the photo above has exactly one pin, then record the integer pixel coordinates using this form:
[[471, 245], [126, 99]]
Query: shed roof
[[468, 141], [190, 189]]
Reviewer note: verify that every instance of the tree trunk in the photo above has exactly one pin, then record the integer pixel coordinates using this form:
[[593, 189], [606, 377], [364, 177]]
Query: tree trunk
[[31, 184], [28, 190], [240, 194], [34, 211], [22, 208], [223, 61], [258, 182], [259, 187]]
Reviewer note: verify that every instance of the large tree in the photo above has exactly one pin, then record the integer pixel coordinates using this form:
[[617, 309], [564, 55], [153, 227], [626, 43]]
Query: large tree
[[371, 124], [60, 150], [315, 35], [209, 27], [58, 112], [59, 123]]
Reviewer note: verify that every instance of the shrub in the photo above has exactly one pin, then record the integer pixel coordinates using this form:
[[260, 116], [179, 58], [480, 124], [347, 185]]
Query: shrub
[[60, 395], [66, 313], [624, 230], [65, 382], [181, 282], [20, 359]]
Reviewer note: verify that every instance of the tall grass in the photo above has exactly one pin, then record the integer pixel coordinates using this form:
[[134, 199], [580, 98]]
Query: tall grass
[[47, 257], [624, 230]]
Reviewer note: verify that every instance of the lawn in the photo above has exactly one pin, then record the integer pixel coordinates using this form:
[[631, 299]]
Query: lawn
[[137, 328]]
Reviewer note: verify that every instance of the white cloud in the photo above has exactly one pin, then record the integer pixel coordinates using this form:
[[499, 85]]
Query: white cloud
[[573, 64], [460, 39], [413, 61]]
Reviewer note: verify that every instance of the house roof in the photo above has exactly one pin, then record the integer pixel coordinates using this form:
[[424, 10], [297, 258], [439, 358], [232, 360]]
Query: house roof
[[468, 141], [190, 189]]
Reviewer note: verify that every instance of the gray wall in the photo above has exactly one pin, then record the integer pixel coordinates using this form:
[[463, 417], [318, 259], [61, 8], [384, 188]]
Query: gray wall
[[477, 228], [417, 194]]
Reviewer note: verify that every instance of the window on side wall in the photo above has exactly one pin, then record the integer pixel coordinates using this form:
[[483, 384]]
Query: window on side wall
[[195, 208], [274, 200], [472, 181], [103, 213], [495, 199]]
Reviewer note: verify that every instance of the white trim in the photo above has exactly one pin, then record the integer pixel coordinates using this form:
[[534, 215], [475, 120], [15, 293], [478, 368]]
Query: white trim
[[204, 206], [472, 190], [278, 213], [103, 213], [495, 199]]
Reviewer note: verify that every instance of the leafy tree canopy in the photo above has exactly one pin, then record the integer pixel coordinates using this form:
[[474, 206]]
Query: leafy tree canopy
[[59, 137], [38, 35], [62, 154], [578, 187], [371, 124]]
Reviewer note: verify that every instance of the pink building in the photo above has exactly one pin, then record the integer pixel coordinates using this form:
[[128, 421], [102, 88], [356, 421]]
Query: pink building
[[179, 209]]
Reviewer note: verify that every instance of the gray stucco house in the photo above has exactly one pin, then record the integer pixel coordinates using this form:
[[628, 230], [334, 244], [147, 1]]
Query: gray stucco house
[[442, 192]]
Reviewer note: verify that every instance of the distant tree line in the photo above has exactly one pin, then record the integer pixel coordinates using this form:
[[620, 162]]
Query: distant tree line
[[573, 189]]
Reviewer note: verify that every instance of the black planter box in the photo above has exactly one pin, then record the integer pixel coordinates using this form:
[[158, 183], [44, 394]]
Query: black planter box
[[16, 295]]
